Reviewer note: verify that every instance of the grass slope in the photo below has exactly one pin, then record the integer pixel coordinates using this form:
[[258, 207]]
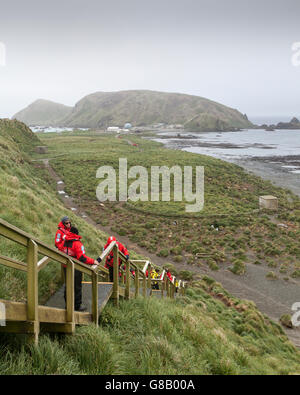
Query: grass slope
[[28, 201], [197, 334], [206, 332]]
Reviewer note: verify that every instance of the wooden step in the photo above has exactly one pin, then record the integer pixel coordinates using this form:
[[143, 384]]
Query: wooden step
[[16, 318], [104, 294]]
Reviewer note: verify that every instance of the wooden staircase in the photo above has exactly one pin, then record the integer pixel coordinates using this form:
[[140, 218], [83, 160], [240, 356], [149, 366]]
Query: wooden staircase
[[32, 318]]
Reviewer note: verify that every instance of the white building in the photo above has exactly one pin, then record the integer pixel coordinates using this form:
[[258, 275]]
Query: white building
[[113, 129]]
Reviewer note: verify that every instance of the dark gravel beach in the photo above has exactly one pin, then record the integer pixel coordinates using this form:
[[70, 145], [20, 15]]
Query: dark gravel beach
[[270, 168]]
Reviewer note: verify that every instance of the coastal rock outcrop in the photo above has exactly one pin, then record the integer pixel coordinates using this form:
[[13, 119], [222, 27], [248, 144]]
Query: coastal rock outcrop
[[294, 124]]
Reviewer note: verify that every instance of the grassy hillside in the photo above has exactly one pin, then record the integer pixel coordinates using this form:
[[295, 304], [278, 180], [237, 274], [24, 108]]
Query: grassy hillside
[[16, 136], [206, 332], [197, 334], [103, 109], [228, 228], [43, 113], [28, 200]]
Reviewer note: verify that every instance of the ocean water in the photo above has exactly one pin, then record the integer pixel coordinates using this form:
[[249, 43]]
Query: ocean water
[[279, 150], [238, 145]]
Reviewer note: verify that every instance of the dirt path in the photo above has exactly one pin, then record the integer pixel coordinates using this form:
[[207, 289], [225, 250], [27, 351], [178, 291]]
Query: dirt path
[[273, 298]]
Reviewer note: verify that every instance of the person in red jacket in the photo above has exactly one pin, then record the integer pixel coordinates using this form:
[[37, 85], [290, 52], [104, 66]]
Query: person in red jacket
[[168, 273], [63, 229], [109, 264], [74, 248]]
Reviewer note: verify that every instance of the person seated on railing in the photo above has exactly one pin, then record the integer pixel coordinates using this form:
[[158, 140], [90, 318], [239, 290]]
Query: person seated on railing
[[74, 248], [154, 274], [109, 264], [63, 229]]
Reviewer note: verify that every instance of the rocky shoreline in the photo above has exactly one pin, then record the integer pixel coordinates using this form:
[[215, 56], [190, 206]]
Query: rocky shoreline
[[283, 171], [277, 169]]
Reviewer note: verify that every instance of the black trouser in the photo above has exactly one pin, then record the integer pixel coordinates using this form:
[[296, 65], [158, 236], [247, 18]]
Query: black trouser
[[111, 273], [77, 288]]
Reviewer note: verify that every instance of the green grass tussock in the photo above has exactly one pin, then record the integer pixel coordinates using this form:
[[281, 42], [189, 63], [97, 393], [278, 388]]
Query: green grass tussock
[[205, 332], [196, 334]]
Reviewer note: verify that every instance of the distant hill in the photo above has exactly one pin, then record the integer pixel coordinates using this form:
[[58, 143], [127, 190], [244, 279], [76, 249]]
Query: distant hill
[[43, 113], [140, 108]]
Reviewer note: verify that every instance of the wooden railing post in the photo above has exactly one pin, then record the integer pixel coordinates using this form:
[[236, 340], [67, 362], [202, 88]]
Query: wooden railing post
[[144, 285], [173, 288], [122, 277], [115, 294], [127, 287], [162, 283], [70, 297], [32, 289], [95, 308], [149, 280], [168, 287], [137, 282]]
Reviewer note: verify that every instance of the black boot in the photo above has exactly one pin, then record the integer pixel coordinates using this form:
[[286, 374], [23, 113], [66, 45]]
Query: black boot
[[81, 308]]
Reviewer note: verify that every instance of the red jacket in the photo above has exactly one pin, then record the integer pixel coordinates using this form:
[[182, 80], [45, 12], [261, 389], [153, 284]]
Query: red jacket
[[169, 275], [60, 236], [73, 247], [110, 258]]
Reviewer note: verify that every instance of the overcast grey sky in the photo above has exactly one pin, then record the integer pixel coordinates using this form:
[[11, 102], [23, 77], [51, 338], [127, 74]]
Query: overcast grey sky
[[235, 52]]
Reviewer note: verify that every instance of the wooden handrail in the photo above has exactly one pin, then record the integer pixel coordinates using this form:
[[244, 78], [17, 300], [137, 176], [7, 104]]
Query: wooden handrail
[[43, 262], [146, 266], [108, 250], [32, 267], [17, 235], [10, 262]]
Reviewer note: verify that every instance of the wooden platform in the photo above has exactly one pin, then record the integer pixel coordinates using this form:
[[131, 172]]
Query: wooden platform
[[32, 318], [52, 316], [104, 293], [50, 319]]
